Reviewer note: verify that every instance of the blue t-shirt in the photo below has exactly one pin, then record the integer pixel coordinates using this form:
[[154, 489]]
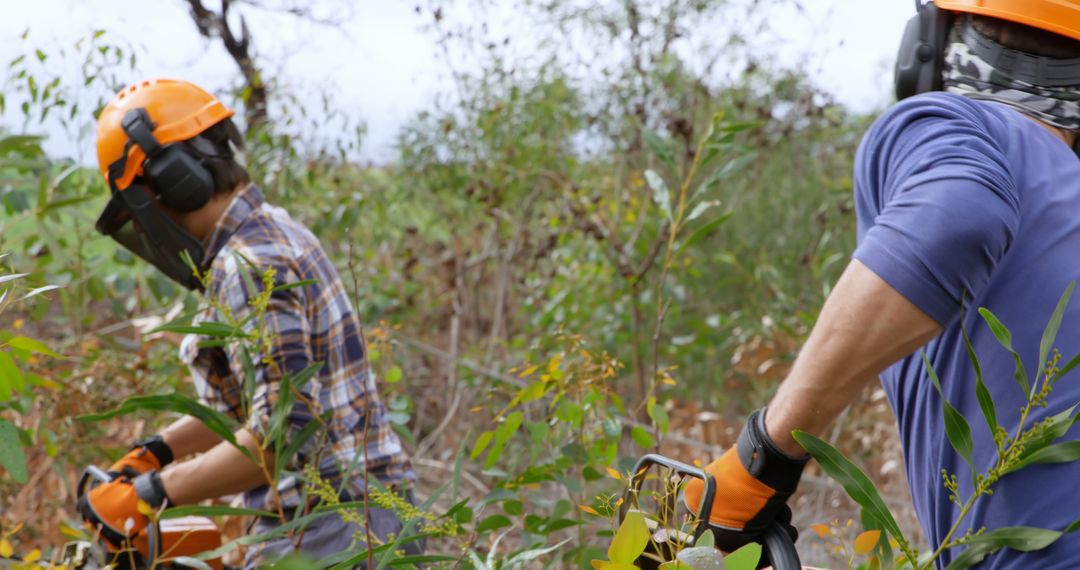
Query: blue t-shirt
[[956, 199]]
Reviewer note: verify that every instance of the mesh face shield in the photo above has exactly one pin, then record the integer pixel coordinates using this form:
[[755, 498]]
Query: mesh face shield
[[135, 220]]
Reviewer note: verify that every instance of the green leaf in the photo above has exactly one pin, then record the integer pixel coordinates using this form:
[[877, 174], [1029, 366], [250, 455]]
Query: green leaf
[[299, 522], [660, 147], [857, 485], [32, 345], [206, 328], [1065, 452], [511, 425], [530, 555], [661, 195], [1072, 363], [704, 231], [218, 422], [1054, 427], [300, 379], [513, 508], [294, 285], [1005, 338], [419, 559], [706, 539], [38, 291], [481, 444], [630, 540], [493, 522], [11, 378], [727, 170], [658, 415], [213, 511], [982, 393], [12, 457], [12, 277], [297, 441], [745, 558], [642, 437], [956, 427], [1051, 330], [1022, 538]]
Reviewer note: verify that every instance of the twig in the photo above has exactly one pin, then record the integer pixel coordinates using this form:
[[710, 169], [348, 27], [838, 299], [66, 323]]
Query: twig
[[451, 370], [477, 483]]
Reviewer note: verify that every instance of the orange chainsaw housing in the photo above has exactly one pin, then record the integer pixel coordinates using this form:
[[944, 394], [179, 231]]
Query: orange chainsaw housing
[[188, 536], [184, 536]]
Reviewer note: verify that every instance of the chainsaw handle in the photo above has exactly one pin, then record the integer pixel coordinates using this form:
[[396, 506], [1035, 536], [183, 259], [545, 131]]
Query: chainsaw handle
[[781, 548], [638, 477], [93, 476], [775, 540]]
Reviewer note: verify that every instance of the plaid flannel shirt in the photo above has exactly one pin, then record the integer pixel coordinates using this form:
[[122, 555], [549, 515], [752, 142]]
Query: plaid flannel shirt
[[308, 324]]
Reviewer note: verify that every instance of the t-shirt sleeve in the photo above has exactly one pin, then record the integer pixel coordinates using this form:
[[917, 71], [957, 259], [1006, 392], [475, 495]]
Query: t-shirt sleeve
[[936, 202]]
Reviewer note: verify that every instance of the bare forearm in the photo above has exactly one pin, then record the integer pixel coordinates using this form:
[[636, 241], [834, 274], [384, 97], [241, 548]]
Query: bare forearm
[[223, 470], [864, 327], [187, 436]]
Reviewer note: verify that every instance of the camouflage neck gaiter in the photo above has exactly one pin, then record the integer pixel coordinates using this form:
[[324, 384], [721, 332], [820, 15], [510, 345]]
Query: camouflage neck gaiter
[[968, 74]]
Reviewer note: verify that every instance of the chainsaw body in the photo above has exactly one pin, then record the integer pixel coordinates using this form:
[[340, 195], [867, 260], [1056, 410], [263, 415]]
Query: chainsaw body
[[667, 541], [159, 545]]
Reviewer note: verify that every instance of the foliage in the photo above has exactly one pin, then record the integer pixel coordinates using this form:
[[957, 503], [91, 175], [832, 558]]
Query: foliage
[[1030, 444], [568, 249]]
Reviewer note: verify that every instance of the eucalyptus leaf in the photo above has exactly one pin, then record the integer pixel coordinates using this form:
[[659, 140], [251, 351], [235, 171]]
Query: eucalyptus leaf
[[956, 427], [703, 232], [857, 485], [661, 194], [982, 393], [1004, 337], [32, 345], [38, 291], [745, 558], [1022, 538], [630, 539], [12, 457], [212, 511], [1051, 330], [216, 421], [1064, 452]]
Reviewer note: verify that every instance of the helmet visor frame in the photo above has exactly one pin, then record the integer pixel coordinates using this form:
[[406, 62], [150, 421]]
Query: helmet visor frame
[[135, 220]]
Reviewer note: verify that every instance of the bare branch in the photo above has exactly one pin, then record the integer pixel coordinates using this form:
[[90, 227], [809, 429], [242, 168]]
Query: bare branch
[[213, 25]]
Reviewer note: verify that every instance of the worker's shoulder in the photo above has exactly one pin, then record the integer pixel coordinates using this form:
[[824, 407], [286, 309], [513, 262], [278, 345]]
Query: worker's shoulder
[[269, 236], [930, 112]]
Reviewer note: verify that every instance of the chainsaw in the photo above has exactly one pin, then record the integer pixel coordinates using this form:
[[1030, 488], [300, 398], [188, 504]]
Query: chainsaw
[[165, 543], [666, 541]]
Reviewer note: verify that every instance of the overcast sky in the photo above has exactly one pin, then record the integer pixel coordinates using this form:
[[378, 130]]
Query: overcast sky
[[382, 64]]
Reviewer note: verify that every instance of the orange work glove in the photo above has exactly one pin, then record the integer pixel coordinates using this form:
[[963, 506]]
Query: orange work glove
[[112, 508], [753, 482], [151, 454]]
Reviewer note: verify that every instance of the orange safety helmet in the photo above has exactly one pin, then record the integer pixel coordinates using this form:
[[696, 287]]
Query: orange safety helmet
[[1061, 17], [180, 110]]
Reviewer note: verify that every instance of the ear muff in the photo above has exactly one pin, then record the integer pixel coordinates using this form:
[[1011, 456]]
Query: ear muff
[[181, 181], [921, 58]]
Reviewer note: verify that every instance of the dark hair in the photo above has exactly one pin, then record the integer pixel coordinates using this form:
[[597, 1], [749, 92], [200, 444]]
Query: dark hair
[[227, 172], [1026, 38]]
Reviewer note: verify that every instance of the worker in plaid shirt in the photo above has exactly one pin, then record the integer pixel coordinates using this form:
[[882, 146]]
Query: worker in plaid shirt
[[157, 143]]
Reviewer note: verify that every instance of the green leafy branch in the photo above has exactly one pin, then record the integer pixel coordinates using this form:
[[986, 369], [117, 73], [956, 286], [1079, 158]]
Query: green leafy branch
[[1030, 444]]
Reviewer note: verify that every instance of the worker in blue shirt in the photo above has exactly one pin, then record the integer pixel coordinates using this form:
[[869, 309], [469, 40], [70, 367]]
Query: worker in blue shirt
[[967, 194]]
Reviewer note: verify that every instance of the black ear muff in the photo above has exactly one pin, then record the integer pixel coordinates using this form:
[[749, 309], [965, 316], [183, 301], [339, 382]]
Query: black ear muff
[[921, 58], [180, 180]]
